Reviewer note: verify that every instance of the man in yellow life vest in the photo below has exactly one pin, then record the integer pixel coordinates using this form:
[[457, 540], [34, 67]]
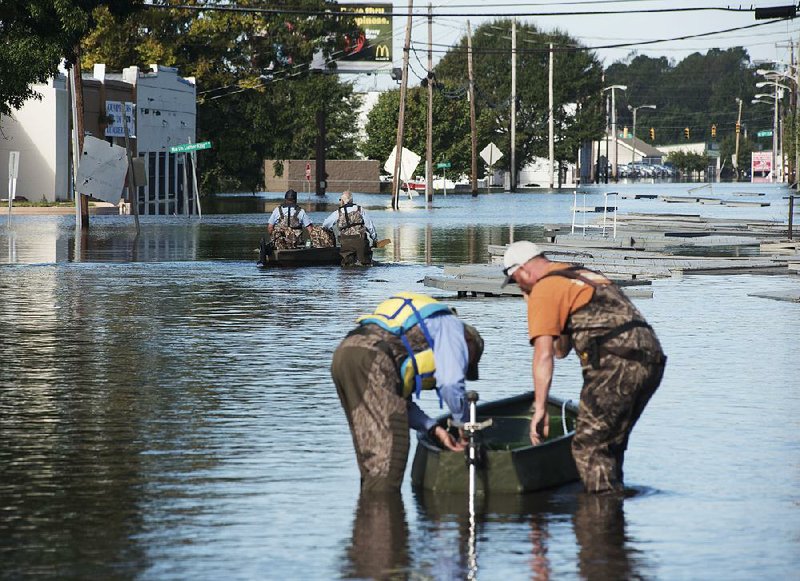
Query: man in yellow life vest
[[410, 343]]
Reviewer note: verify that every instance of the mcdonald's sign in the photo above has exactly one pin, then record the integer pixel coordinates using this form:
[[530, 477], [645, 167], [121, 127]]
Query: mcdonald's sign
[[371, 41]]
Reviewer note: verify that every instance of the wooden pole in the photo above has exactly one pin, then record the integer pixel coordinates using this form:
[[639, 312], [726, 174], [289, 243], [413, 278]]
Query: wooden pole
[[472, 123], [402, 114], [513, 180], [791, 215], [76, 98], [550, 131], [133, 191], [429, 131], [321, 182]]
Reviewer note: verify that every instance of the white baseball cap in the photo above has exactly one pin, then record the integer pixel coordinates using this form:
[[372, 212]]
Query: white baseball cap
[[516, 255]]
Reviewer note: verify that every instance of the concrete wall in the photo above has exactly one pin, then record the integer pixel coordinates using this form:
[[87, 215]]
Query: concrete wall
[[39, 132], [343, 174]]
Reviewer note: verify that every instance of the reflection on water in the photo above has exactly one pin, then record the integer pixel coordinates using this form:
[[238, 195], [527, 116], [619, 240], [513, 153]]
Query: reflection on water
[[167, 412], [379, 546]]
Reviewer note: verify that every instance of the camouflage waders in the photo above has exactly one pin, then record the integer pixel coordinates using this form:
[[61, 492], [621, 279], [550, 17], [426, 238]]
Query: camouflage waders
[[365, 370], [622, 364], [288, 230], [353, 239], [321, 238]]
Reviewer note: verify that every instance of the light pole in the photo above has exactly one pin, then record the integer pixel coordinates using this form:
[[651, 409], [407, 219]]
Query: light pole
[[777, 95], [614, 122], [738, 131], [773, 74], [634, 109]]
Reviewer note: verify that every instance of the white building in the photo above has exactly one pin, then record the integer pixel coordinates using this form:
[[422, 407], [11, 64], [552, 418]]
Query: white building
[[39, 132], [165, 115]]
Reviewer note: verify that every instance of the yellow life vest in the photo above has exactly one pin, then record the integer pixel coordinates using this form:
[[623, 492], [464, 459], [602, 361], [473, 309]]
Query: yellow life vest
[[399, 314]]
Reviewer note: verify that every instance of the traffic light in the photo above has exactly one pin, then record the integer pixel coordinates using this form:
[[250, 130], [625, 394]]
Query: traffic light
[[624, 133], [652, 134], [738, 127], [713, 132], [686, 132]]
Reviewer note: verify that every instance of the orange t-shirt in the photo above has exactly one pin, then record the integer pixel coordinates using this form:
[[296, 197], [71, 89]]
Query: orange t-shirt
[[554, 298]]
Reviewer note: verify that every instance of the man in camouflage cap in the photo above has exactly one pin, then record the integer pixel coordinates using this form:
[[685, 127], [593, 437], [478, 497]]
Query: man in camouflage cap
[[620, 355]]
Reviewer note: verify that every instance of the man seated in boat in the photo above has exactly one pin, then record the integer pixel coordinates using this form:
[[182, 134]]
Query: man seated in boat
[[410, 343], [287, 223], [357, 233]]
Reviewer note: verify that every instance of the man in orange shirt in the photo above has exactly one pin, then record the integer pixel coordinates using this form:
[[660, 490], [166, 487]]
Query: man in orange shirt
[[620, 355]]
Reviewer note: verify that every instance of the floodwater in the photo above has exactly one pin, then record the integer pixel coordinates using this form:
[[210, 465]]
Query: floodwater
[[167, 412]]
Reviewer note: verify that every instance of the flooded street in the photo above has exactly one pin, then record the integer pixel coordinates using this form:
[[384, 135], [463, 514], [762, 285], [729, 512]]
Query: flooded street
[[168, 412]]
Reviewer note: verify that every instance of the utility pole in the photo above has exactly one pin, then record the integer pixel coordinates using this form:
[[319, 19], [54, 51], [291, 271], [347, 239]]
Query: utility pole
[[320, 178], [402, 114], [608, 158], [429, 136], [550, 136], [81, 201], [133, 191], [738, 131], [614, 131], [472, 124], [513, 180]]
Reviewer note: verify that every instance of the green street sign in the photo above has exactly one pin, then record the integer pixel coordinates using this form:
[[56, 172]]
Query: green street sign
[[186, 147], [443, 165], [767, 133]]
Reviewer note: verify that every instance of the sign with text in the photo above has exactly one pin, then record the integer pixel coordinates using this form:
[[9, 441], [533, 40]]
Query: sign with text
[[114, 111], [443, 165], [13, 173], [761, 166], [187, 147], [765, 133]]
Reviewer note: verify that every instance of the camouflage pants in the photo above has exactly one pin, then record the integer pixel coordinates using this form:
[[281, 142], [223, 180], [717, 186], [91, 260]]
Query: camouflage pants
[[367, 381], [355, 248], [612, 399], [321, 238], [284, 238]]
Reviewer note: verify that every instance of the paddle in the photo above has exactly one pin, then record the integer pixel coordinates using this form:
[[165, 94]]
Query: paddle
[[382, 243]]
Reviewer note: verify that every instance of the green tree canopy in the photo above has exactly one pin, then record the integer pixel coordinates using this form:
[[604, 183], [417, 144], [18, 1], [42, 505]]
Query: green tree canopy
[[257, 97], [576, 89], [36, 35], [697, 92]]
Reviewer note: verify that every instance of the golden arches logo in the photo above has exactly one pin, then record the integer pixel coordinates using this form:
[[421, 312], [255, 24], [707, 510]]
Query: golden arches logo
[[382, 52]]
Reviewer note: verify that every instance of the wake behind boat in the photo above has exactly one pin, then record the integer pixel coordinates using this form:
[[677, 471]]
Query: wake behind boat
[[507, 461]]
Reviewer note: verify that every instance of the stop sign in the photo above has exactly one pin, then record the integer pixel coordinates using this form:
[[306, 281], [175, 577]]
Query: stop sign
[[308, 171]]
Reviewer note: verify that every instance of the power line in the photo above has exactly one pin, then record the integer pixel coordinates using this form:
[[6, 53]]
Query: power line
[[347, 13]]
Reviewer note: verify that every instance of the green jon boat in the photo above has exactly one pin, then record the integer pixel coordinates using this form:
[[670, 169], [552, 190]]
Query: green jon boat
[[300, 256], [507, 462]]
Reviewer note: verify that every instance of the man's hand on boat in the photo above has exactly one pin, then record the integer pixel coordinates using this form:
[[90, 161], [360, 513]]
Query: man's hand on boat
[[540, 426], [448, 441]]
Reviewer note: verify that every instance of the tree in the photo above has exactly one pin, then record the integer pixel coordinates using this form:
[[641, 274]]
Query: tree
[[451, 138], [257, 96], [697, 92], [577, 86], [36, 36]]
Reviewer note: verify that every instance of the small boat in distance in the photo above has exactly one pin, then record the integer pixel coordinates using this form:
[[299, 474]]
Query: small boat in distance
[[508, 464], [268, 256]]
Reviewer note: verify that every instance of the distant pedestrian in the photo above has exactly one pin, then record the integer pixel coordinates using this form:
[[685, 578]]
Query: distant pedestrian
[[620, 355], [287, 223], [410, 343], [357, 233]]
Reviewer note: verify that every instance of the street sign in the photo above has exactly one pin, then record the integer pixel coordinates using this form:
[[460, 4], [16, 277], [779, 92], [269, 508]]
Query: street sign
[[766, 133], [491, 154], [114, 112], [13, 174], [186, 147], [443, 165]]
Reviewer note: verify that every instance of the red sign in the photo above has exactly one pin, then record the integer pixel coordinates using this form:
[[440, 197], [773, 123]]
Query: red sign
[[308, 171], [761, 167]]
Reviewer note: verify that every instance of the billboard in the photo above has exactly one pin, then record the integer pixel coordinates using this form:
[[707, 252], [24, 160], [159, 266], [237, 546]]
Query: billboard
[[369, 47], [761, 167]]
